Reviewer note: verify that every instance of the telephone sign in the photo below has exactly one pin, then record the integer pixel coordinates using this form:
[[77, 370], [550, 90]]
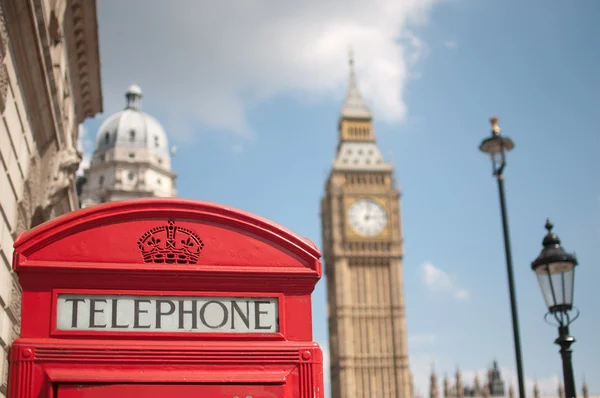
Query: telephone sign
[[167, 314]]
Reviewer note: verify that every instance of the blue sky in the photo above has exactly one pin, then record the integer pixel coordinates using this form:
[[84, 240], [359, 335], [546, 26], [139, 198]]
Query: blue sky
[[251, 98]]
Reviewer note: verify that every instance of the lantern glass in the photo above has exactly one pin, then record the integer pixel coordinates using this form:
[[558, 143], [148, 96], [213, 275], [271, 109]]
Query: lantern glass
[[497, 159], [557, 281]]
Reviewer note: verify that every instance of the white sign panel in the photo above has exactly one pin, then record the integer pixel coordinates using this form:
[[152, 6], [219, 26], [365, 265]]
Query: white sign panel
[[167, 314]]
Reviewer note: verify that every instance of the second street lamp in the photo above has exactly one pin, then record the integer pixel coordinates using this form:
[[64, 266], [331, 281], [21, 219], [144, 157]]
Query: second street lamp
[[497, 146], [555, 269]]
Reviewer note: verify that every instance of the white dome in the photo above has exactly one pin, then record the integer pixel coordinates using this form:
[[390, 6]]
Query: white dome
[[132, 128]]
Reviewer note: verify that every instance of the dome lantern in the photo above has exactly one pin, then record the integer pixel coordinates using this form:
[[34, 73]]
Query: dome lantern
[[134, 97]]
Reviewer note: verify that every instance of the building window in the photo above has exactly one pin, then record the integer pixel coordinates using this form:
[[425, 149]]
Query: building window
[[159, 160], [131, 155], [132, 136], [103, 157], [158, 181], [101, 180], [130, 176], [107, 138], [156, 141]]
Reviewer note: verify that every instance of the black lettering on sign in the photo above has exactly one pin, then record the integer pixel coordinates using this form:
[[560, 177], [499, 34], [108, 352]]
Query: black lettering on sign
[[203, 312], [94, 311], [114, 322], [76, 302], [258, 313], [160, 312], [192, 312], [136, 314], [245, 318]]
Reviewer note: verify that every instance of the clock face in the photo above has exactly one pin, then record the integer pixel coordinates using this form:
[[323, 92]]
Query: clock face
[[367, 217]]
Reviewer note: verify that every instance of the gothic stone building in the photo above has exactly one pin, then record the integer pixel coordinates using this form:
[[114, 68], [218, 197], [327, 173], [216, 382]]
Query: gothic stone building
[[491, 386], [49, 84], [362, 247]]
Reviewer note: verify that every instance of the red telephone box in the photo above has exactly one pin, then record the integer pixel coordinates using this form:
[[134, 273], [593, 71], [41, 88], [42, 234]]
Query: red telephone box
[[165, 297]]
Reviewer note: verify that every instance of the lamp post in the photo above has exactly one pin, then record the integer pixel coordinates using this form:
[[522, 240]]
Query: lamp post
[[555, 269], [497, 146]]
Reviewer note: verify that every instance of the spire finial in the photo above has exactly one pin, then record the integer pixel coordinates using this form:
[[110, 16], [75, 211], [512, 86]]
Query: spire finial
[[549, 225], [353, 84], [495, 126], [354, 106]]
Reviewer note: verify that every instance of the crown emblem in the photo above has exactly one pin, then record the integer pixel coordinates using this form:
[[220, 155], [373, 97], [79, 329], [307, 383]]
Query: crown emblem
[[170, 244]]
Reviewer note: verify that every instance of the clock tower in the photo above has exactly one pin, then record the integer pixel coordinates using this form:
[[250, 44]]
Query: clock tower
[[362, 247]]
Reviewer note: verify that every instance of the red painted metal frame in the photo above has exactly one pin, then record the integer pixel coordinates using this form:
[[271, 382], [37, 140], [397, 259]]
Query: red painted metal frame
[[280, 335], [180, 391], [39, 366], [93, 251]]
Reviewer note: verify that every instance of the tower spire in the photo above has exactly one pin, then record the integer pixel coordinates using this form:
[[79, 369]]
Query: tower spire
[[561, 390], [460, 391], [352, 72], [354, 107], [433, 384], [585, 388], [536, 390], [446, 387], [476, 386]]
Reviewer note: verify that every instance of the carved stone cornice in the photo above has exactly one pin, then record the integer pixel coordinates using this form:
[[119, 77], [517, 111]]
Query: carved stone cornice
[[26, 32], [45, 42], [81, 35]]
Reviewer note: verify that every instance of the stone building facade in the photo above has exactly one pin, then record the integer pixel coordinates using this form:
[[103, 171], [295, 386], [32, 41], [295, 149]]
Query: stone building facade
[[49, 84], [362, 249]]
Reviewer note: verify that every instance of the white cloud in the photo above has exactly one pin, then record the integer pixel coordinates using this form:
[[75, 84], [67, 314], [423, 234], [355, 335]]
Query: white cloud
[[85, 145], [451, 44], [441, 282], [211, 62], [237, 149]]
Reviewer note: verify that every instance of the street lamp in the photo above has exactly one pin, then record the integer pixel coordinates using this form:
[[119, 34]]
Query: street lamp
[[497, 146], [555, 269]]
